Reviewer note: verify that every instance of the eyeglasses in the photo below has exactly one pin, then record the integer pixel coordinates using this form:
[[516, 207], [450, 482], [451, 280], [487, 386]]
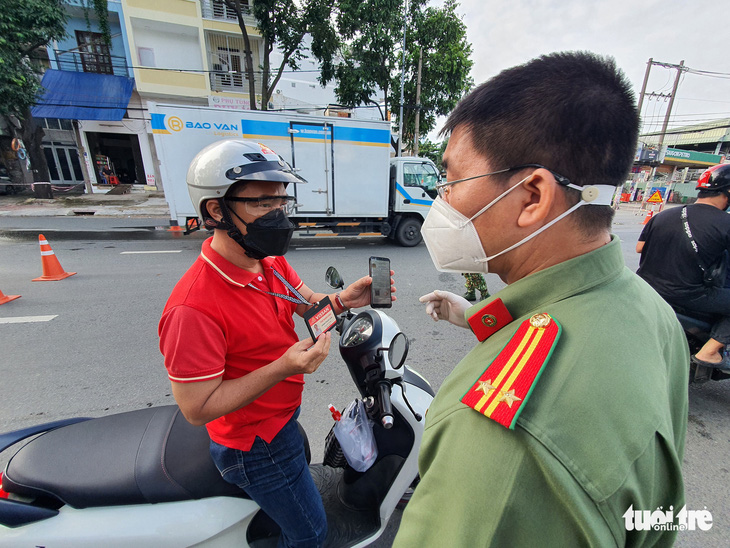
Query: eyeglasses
[[261, 205], [441, 187]]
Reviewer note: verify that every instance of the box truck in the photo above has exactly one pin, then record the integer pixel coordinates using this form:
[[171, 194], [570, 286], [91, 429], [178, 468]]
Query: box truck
[[354, 186]]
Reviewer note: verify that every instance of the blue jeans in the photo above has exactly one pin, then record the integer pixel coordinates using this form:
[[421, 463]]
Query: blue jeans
[[715, 301], [276, 476]]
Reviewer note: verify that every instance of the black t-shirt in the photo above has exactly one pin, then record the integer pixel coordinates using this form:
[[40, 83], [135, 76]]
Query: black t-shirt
[[668, 262]]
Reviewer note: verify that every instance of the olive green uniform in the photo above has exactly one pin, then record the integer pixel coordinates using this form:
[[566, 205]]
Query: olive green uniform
[[603, 430]]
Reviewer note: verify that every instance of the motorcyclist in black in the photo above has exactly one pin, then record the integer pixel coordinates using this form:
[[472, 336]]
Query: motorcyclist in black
[[678, 245]]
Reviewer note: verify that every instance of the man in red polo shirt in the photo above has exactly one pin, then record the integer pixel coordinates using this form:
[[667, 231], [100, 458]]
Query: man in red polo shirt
[[227, 334]]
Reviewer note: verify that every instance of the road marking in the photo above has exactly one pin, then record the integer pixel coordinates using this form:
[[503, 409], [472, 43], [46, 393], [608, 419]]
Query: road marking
[[316, 248], [146, 252], [28, 319]]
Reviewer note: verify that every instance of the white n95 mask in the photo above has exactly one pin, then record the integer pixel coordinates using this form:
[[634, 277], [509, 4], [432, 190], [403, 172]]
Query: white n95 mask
[[453, 242]]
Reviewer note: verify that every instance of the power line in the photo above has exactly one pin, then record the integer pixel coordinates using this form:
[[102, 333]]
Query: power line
[[197, 107], [681, 131], [60, 62]]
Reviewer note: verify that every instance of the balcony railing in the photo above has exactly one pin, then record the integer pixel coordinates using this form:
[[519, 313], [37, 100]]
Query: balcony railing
[[231, 81], [100, 63], [217, 9], [227, 61]]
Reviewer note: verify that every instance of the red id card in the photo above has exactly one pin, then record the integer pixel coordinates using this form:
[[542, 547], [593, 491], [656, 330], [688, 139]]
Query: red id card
[[320, 318]]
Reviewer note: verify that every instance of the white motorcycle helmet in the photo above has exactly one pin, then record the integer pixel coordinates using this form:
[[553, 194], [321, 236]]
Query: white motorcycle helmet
[[219, 166]]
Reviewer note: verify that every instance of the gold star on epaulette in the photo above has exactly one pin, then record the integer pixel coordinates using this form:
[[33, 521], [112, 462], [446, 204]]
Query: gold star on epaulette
[[486, 387], [509, 398]]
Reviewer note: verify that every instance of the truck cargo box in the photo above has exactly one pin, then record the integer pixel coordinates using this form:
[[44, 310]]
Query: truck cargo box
[[344, 160]]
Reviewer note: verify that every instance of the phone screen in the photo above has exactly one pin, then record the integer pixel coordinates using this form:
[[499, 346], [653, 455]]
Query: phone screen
[[380, 288]]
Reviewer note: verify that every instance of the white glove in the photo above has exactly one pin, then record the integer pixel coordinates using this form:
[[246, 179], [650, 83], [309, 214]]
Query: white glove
[[444, 305]]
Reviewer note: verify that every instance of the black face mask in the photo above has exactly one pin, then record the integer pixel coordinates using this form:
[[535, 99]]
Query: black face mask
[[267, 236]]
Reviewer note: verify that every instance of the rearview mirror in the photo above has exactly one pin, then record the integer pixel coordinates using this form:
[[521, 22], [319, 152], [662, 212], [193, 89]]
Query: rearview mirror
[[398, 350], [333, 278]]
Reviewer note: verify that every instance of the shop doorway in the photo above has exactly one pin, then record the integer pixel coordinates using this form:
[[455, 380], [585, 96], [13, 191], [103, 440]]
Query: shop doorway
[[63, 162], [117, 155]]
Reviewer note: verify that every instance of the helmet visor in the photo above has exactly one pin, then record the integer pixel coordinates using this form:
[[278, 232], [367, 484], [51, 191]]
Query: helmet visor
[[278, 172]]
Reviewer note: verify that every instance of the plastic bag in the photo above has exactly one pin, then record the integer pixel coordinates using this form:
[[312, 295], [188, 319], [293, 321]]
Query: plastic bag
[[354, 432]]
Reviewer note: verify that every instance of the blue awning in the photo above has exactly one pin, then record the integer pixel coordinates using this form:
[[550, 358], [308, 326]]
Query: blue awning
[[83, 96]]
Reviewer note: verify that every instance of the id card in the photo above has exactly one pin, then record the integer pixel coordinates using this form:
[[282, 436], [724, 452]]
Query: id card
[[320, 318]]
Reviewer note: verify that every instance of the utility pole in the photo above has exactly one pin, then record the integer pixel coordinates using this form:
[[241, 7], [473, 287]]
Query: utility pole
[[418, 103], [680, 69], [402, 80], [649, 63]]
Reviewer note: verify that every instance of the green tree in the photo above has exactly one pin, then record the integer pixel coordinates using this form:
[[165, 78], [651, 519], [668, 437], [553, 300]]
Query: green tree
[[441, 35], [25, 28], [283, 24], [433, 151], [101, 10], [369, 62], [368, 70]]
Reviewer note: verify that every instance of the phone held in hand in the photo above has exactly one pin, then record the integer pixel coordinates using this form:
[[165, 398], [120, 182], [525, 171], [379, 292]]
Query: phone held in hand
[[379, 270]]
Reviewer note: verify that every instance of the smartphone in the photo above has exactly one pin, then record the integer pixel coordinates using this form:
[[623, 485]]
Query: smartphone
[[379, 270]]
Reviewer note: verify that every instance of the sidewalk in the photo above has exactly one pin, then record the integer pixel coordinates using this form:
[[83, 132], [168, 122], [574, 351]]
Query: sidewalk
[[144, 203], [138, 202]]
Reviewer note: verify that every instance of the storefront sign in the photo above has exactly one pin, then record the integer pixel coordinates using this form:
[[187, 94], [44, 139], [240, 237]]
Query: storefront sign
[[677, 156], [230, 103]]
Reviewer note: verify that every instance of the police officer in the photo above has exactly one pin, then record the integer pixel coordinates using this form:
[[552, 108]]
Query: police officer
[[561, 419]]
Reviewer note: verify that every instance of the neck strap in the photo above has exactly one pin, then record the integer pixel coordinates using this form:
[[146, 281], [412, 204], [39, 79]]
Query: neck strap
[[298, 298], [688, 232]]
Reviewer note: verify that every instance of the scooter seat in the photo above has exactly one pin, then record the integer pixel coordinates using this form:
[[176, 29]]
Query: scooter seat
[[140, 457]]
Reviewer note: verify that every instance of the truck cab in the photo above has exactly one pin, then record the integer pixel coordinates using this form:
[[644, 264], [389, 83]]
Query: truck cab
[[412, 191]]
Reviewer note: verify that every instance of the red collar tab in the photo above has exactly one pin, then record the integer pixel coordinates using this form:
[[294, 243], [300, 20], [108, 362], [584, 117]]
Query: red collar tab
[[490, 319], [501, 391]]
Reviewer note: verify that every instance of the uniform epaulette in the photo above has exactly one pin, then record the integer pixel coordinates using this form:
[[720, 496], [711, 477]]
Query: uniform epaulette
[[502, 390]]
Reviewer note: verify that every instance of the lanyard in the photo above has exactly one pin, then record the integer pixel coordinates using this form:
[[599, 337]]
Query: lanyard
[[688, 232], [299, 299]]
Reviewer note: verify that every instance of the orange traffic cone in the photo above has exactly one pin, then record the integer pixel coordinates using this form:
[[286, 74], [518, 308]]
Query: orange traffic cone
[[648, 216], [52, 270], [7, 298]]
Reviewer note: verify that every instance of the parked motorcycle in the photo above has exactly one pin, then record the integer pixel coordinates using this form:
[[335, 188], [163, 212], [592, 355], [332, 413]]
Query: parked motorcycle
[[697, 329], [145, 478]]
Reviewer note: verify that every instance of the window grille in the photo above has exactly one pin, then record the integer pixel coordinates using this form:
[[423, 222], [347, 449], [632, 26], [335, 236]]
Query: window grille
[[227, 62]]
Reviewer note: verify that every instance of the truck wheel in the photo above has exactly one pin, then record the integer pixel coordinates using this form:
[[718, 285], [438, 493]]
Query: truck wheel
[[408, 233]]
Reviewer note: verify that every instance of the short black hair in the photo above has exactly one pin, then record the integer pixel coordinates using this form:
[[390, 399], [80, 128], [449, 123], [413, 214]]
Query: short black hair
[[703, 193], [573, 112]]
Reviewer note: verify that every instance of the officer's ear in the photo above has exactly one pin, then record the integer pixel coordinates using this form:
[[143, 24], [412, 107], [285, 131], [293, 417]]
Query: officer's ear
[[539, 199], [214, 209]]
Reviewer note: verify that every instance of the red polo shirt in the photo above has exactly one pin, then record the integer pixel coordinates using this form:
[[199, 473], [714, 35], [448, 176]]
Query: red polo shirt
[[214, 324]]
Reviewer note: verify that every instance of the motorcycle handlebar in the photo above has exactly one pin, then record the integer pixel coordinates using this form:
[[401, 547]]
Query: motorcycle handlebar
[[386, 409], [341, 319]]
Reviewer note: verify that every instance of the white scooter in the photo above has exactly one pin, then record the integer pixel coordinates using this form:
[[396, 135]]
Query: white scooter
[[145, 478]]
